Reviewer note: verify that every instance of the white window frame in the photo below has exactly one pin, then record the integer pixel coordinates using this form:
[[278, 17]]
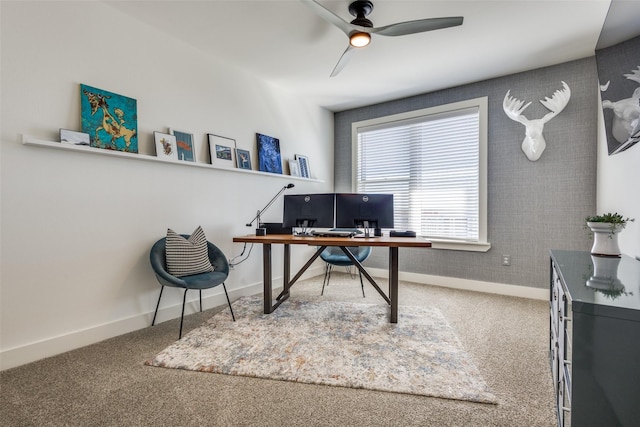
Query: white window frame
[[482, 245]]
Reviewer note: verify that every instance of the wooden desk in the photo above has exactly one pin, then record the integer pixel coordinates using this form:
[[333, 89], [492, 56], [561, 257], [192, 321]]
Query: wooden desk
[[393, 243]]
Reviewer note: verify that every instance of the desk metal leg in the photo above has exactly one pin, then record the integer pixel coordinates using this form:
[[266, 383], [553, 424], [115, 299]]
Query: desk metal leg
[[364, 272], [289, 283], [393, 283], [287, 269], [266, 277]]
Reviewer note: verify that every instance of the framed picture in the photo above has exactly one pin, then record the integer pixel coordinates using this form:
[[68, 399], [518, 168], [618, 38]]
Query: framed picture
[[111, 120], [166, 148], [269, 159], [222, 151], [303, 162], [619, 74], [184, 143], [243, 159], [294, 168], [72, 137]]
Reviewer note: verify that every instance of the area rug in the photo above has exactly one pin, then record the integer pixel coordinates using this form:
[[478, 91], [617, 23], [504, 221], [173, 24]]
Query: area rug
[[334, 343]]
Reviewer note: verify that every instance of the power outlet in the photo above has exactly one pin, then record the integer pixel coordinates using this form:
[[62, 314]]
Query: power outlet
[[506, 260]]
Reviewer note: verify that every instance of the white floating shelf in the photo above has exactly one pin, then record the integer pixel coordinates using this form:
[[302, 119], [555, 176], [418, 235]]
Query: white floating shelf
[[30, 140]]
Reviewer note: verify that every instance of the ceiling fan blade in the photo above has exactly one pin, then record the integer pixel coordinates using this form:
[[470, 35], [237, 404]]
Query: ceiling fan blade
[[329, 16], [342, 62], [418, 26]]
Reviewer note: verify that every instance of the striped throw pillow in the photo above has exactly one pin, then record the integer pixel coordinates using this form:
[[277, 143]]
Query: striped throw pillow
[[187, 256]]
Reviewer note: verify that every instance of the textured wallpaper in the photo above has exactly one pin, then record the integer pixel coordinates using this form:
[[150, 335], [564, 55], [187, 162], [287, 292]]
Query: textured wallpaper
[[532, 206]]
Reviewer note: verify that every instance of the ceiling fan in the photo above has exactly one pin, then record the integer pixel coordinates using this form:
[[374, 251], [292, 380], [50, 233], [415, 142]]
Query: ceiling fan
[[360, 29]]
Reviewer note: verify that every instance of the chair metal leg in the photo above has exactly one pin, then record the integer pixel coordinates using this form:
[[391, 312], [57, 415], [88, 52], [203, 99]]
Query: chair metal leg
[[200, 299], [153, 322], [184, 300], [228, 302], [327, 276], [351, 271]]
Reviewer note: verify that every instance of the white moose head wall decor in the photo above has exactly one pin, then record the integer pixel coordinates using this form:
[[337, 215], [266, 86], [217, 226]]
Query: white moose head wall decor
[[534, 144]]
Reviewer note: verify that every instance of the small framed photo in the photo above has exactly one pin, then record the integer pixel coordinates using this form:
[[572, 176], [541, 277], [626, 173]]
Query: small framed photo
[[294, 168], [166, 147], [243, 159], [185, 145], [222, 151], [303, 162], [72, 137]]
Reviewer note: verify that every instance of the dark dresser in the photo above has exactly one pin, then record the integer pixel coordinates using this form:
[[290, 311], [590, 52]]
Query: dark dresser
[[595, 339]]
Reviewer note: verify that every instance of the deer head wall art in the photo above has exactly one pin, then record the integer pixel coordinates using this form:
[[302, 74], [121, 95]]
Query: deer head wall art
[[534, 144]]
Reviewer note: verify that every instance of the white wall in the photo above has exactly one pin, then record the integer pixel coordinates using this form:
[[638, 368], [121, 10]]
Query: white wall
[[77, 228], [618, 179]]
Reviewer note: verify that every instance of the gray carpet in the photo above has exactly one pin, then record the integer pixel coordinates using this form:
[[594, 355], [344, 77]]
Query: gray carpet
[[107, 384]]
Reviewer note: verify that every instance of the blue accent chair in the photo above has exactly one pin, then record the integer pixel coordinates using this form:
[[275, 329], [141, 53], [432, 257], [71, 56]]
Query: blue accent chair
[[157, 257], [333, 256]]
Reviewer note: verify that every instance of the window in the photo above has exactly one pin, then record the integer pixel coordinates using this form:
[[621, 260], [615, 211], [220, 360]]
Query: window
[[434, 163]]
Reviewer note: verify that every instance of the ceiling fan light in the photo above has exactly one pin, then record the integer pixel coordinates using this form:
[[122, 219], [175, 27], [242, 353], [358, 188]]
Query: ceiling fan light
[[359, 39]]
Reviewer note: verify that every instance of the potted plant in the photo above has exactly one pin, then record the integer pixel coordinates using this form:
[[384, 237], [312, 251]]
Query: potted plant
[[605, 229]]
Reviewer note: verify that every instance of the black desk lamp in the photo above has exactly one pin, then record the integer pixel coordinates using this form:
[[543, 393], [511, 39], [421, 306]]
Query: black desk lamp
[[261, 231]]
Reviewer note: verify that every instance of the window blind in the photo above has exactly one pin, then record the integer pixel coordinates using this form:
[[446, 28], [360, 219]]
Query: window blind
[[431, 166]]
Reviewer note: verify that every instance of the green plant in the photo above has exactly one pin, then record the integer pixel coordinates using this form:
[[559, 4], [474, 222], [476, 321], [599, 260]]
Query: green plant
[[613, 292], [617, 221]]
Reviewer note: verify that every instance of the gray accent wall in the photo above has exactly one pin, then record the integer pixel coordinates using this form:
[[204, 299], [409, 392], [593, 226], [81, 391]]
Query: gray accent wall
[[532, 206]]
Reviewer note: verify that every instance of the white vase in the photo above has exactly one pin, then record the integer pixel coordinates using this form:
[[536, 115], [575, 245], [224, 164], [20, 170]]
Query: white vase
[[605, 238], [605, 274]]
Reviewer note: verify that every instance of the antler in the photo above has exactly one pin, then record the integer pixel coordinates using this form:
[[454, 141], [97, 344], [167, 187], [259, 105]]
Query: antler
[[557, 102], [635, 75], [513, 107]]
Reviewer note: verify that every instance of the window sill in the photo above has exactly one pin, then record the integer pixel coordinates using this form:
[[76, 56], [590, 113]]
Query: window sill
[[455, 245]]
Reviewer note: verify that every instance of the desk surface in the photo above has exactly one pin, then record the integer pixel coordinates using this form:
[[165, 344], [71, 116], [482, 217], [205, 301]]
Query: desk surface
[[384, 241]]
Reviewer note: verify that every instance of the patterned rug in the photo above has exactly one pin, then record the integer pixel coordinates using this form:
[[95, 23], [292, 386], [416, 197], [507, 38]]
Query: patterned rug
[[334, 343]]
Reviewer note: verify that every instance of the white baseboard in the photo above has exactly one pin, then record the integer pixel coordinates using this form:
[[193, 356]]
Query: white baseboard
[[31, 352], [469, 285]]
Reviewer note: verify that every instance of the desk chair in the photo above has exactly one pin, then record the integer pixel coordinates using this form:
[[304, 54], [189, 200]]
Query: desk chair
[[333, 256], [201, 281]]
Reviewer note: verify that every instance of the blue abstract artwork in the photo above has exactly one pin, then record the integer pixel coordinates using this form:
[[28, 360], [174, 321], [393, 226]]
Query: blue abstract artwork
[[111, 120], [269, 158]]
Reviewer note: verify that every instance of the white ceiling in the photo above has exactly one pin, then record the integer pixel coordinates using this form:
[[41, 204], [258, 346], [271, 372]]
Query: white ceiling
[[285, 43]]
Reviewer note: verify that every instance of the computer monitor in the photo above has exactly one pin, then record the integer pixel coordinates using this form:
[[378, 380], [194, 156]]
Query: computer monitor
[[309, 210], [364, 210]]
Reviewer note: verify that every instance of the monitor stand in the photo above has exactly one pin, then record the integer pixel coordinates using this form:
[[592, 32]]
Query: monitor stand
[[377, 232], [304, 225]]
